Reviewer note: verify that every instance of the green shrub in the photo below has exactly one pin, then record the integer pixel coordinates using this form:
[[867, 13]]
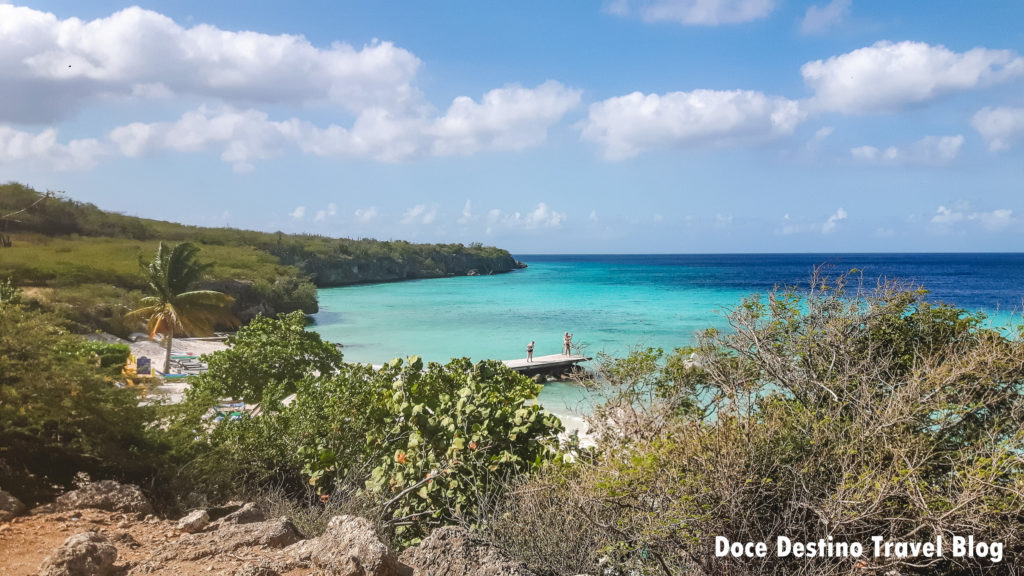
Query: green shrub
[[266, 360], [816, 415], [60, 413]]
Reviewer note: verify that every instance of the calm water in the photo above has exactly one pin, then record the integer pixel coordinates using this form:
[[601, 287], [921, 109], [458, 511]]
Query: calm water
[[614, 302]]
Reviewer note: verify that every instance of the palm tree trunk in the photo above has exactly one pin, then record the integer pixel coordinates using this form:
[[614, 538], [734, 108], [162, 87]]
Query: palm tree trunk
[[168, 340]]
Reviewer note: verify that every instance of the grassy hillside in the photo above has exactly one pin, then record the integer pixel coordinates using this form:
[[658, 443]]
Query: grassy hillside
[[84, 261]]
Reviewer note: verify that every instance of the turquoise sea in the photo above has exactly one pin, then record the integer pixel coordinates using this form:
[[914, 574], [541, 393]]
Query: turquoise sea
[[613, 302]]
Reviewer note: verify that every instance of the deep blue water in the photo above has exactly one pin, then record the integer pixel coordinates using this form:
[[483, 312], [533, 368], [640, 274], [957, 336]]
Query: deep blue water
[[614, 302], [984, 281]]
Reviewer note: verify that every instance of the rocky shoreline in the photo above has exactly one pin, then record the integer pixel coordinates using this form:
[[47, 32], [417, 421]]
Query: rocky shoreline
[[327, 273]]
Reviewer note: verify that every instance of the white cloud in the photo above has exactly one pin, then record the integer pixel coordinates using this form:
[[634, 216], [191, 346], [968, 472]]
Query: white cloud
[[299, 213], [42, 150], [830, 225], [819, 138], [52, 66], [999, 126], [993, 220], [467, 213], [694, 12], [507, 118], [819, 19], [931, 150], [366, 214], [541, 217], [420, 214], [887, 76], [947, 216], [243, 135], [626, 125], [593, 216], [322, 215]]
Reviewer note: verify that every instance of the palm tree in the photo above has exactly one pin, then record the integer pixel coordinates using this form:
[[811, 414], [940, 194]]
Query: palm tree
[[173, 308]]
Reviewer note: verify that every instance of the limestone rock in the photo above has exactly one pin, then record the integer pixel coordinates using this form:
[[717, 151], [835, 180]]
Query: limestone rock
[[277, 533], [85, 554], [9, 506], [350, 547], [454, 551], [247, 514], [105, 495], [194, 522]]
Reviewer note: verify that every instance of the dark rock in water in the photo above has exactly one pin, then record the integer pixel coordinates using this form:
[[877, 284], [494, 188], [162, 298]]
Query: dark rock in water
[[85, 554], [456, 551], [106, 495], [9, 506], [350, 547]]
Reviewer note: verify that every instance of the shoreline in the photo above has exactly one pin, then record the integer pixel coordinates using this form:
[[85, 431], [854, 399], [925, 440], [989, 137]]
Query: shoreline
[[174, 392]]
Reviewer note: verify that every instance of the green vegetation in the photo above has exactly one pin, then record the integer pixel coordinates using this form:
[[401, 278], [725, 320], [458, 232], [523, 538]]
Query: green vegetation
[[824, 414], [267, 360], [172, 307], [65, 250], [60, 412], [816, 415], [421, 446]]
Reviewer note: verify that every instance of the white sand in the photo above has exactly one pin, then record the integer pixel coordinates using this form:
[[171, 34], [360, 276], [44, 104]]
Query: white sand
[[173, 391]]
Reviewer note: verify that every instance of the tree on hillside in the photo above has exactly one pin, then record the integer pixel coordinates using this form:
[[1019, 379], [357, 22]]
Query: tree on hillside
[[173, 308]]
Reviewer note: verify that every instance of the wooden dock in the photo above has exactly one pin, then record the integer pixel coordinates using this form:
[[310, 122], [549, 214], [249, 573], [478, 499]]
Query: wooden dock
[[552, 364]]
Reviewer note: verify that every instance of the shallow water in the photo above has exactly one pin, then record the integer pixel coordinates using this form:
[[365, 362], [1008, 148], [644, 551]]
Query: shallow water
[[611, 303]]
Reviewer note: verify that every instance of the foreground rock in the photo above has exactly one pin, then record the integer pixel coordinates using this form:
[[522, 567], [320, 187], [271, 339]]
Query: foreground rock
[[453, 551], [9, 506], [194, 522], [350, 547], [247, 514], [85, 554], [103, 495], [272, 534]]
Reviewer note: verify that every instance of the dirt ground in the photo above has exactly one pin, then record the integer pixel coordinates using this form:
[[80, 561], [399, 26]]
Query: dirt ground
[[27, 540]]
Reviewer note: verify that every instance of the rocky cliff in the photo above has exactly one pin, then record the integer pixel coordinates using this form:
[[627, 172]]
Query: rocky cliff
[[354, 270]]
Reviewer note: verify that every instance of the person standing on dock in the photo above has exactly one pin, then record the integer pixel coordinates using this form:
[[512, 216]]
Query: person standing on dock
[[567, 344], [529, 351]]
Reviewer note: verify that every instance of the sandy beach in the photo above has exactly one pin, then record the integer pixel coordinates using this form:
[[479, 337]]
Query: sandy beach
[[174, 391]]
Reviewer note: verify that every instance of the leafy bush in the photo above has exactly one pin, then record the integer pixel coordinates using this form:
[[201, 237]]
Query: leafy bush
[[106, 354], [817, 415], [424, 446], [266, 361], [445, 439], [60, 413]]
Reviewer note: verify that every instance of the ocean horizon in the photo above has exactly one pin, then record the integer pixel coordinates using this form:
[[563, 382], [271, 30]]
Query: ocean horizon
[[614, 302]]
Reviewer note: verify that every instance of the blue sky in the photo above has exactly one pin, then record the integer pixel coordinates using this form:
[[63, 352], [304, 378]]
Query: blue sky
[[622, 126]]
